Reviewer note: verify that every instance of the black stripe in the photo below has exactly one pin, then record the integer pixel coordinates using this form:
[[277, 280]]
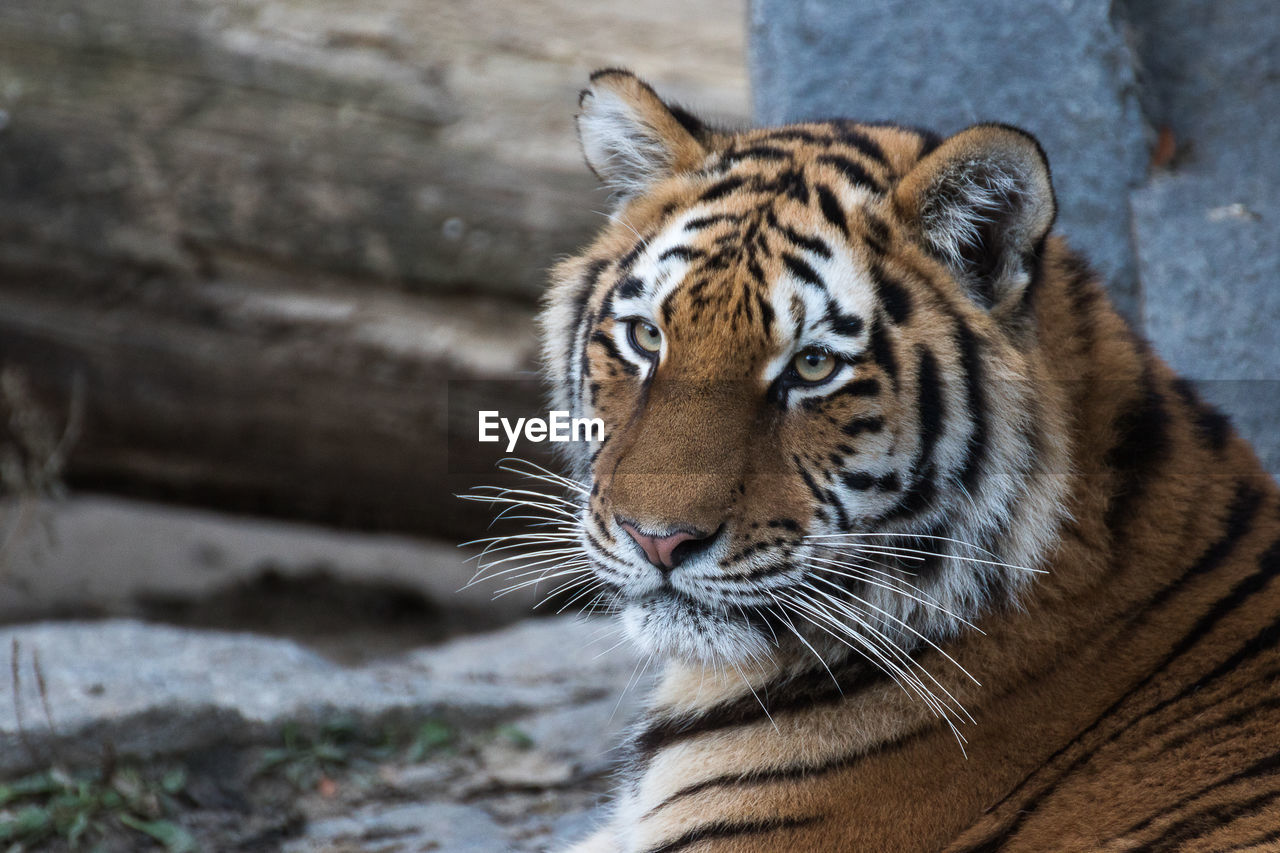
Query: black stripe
[[1241, 512], [916, 500], [700, 222], [801, 270], [796, 309], [928, 141], [684, 253], [930, 408], [1085, 296], [852, 172], [1213, 426], [824, 496], [584, 370], [878, 233], [841, 323], [1264, 640], [1206, 820], [606, 342], [975, 380], [669, 308], [627, 260], [893, 295], [1259, 843], [1267, 766], [722, 259], [864, 481], [930, 412], [857, 426], [852, 135], [586, 287], [831, 208], [1142, 446], [721, 189], [882, 351], [720, 830], [812, 244], [792, 184], [819, 493], [596, 543], [1226, 722], [868, 387], [756, 152], [803, 691], [688, 121], [788, 774], [629, 286], [794, 133], [766, 313]]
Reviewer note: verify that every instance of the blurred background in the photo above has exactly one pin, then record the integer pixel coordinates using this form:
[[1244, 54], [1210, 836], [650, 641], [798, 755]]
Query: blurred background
[[246, 251], [261, 262]]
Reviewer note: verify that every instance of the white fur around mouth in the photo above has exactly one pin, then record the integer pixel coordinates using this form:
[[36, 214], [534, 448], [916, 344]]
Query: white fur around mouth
[[671, 625]]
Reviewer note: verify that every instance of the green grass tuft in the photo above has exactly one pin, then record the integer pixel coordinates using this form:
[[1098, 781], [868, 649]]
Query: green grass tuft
[[80, 808]]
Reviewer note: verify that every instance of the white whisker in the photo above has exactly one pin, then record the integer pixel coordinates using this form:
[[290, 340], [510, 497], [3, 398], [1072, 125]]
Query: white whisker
[[585, 591], [892, 648], [543, 576], [903, 552], [746, 681], [794, 630], [899, 621], [889, 654], [933, 604]]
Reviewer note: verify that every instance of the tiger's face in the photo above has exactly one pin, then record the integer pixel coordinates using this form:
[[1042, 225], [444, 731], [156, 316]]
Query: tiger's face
[[811, 351]]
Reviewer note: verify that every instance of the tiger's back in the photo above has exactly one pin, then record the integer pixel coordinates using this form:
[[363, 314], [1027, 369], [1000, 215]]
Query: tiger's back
[[835, 565]]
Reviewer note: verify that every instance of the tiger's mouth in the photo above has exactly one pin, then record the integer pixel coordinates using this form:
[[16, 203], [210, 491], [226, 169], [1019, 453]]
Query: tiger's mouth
[[668, 595], [668, 623]]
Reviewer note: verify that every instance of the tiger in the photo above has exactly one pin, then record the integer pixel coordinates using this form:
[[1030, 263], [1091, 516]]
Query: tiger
[[933, 551]]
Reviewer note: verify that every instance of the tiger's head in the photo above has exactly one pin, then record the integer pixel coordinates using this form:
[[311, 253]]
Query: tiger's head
[[814, 349]]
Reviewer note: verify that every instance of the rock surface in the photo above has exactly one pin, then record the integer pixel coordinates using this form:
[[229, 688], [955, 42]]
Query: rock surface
[[433, 826], [116, 680], [1208, 229], [1060, 70], [150, 691]]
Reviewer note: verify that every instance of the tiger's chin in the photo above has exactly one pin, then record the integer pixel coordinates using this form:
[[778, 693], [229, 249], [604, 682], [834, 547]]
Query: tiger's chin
[[672, 626]]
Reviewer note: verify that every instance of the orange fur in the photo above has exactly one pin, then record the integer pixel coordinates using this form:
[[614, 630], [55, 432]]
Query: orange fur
[[1126, 699]]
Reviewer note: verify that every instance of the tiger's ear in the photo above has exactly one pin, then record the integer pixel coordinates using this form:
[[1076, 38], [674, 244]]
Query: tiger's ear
[[982, 202], [632, 139]]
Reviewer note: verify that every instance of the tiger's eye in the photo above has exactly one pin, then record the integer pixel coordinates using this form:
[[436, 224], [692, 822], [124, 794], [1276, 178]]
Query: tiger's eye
[[645, 337], [814, 365]]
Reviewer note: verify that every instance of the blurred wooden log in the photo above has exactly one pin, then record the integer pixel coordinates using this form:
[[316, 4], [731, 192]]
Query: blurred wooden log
[[331, 404], [423, 146], [268, 233]]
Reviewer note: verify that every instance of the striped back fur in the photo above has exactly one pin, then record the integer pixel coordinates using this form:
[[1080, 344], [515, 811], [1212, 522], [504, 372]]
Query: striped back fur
[[936, 554]]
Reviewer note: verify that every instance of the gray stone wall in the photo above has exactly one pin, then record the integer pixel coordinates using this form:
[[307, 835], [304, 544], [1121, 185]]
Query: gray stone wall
[[1160, 121]]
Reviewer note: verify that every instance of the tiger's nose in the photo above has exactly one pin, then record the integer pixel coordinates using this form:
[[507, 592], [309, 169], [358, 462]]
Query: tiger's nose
[[666, 552]]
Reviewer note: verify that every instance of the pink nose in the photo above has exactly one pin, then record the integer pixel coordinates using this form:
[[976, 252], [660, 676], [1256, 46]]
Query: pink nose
[[659, 549]]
